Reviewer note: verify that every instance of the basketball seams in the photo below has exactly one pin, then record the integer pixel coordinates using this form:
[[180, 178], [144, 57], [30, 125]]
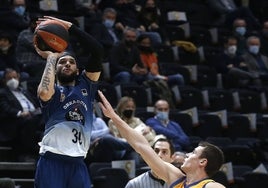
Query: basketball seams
[[53, 40]]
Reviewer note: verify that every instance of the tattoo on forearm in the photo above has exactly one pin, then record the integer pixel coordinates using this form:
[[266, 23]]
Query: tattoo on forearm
[[49, 70]]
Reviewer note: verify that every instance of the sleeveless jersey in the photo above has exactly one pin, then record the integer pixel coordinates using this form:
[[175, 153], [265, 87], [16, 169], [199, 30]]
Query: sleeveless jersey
[[180, 183], [69, 116]]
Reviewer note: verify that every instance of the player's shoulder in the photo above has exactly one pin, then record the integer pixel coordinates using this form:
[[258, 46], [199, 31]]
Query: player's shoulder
[[214, 184]]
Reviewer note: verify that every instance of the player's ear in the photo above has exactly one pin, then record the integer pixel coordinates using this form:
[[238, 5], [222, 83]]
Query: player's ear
[[203, 161]]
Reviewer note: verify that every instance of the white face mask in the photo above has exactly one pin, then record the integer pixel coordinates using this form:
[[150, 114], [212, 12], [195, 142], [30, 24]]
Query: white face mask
[[12, 84], [232, 49], [4, 48]]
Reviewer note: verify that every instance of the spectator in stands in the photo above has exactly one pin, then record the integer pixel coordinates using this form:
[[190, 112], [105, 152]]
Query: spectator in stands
[[20, 116], [257, 63], [232, 66], [107, 32], [228, 11], [264, 38], [125, 62], [165, 150], [7, 54], [241, 33], [126, 108], [26, 55], [127, 15], [150, 17], [14, 17], [105, 147], [161, 124], [150, 61]]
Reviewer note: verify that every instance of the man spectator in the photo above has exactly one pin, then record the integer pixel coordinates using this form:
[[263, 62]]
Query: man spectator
[[256, 62], [228, 11], [171, 129], [26, 56], [14, 17], [232, 66], [125, 61], [107, 32], [21, 120], [264, 38]]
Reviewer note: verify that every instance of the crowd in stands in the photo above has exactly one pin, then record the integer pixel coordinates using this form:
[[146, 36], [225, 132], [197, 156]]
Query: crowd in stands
[[144, 41]]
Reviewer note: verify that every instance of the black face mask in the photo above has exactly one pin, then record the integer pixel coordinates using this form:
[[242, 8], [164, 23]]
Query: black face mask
[[145, 49], [128, 113], [150, 9], [129, 43]]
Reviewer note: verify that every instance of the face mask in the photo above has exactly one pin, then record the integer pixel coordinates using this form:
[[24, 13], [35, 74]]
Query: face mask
[[162, 116], [150, 9], [12, 84], [20, 10], [130, 43], [232, 49], [241, 30], [145, 49], [4, 49], [254, 49], [108, 23], [128, 113]]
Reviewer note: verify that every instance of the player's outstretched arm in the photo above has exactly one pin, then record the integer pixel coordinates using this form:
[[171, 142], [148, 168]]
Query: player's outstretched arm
[[165, 171]]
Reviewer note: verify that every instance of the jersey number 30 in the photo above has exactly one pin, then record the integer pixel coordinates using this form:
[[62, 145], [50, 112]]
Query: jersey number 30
[[77, 136]]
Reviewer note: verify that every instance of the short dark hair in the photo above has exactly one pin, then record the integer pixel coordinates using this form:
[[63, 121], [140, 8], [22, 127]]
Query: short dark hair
[[214, 156], [171, 146]]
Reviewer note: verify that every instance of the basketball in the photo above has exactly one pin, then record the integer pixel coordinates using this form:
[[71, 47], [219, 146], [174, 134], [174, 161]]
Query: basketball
[[51, 35]]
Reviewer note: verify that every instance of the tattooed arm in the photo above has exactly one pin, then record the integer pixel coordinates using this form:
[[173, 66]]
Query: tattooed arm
[[46, 86]]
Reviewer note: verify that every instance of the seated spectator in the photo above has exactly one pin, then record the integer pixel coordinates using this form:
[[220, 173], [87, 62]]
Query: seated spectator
[[107, 32], [240, 31], [165, 150], [161, 124], [150, 61], [21, 120], [14, 17], [233, 66], [126, 110], [127, 15], [7, 55], [105, 147], [257, 63], [26, 55], [264, 38], [228, 11], [125, 62], [150, 17]]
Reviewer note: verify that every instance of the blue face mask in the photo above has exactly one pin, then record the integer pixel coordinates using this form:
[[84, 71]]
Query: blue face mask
[[241, 30], [108, 23], [20, 10], [162, 116], [254, 49]]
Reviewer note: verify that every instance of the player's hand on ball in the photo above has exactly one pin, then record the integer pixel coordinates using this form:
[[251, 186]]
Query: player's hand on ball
[[66, 24], [43, 54]]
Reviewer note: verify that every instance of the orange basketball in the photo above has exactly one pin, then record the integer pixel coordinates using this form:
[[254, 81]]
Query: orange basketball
[[51, 35]]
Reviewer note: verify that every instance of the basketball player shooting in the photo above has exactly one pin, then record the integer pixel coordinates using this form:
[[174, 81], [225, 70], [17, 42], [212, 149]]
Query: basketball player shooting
[[66, 101]]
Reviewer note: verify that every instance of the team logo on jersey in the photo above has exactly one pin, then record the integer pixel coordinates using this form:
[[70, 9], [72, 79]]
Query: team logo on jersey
[[84, 92], [75, 115], [62, 97]]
